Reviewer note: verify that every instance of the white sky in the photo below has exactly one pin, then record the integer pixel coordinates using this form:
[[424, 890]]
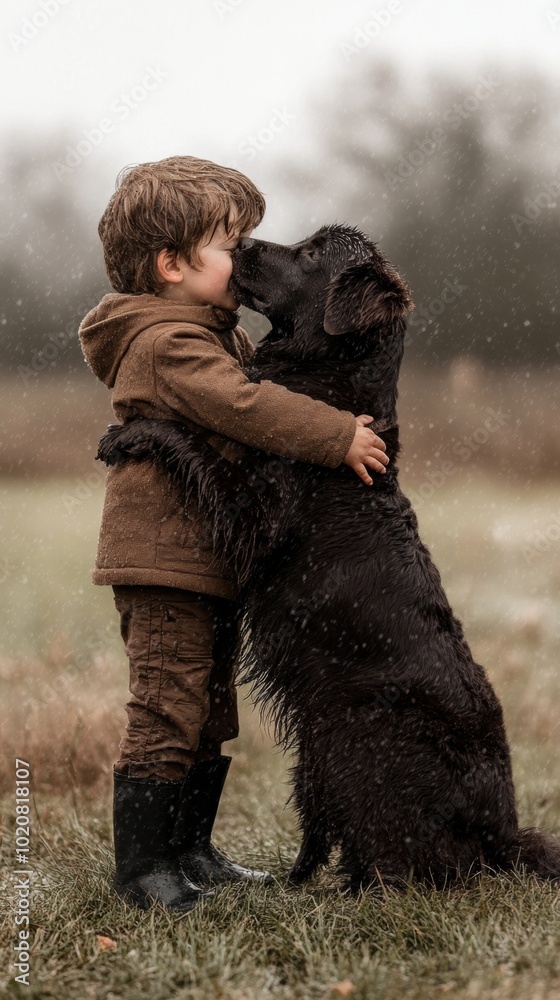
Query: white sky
[[231, 65]]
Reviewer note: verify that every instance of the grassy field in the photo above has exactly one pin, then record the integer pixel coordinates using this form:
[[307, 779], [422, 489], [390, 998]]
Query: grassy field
[[63, 684]]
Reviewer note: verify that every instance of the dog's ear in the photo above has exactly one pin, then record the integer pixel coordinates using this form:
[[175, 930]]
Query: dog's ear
[[366, 297]]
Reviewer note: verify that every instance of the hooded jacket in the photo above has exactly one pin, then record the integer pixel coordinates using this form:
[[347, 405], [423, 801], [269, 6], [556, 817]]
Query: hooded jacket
[[165, 359]]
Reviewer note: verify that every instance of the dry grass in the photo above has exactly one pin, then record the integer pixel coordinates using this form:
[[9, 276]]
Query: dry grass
[[67, 722]]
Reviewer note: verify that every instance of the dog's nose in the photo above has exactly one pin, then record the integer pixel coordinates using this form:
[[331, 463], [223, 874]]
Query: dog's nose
[[246, 243]]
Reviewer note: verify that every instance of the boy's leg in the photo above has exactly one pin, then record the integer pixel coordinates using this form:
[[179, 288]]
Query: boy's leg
[[222, 723], [180, 646], [169, 636], [200, 860]]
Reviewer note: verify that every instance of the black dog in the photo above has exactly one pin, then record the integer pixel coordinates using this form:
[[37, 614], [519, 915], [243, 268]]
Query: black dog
[[348, 638]]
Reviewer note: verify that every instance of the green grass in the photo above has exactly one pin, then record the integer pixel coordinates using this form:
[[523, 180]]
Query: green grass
[[63, 683]]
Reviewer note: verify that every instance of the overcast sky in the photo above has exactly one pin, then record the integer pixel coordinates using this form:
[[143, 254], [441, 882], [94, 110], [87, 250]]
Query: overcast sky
[[209, 77]]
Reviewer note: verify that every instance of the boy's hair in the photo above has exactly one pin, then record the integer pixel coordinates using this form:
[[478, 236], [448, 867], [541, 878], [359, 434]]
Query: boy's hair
[[171, 204]]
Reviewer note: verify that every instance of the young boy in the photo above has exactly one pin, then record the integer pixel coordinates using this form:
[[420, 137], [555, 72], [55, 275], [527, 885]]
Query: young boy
[[167, 344]]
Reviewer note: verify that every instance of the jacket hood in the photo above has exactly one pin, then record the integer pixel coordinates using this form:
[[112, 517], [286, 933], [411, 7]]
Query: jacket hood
[[108, 330]]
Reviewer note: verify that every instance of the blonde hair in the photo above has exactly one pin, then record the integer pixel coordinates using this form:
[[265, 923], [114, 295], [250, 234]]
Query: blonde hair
[[171, 204]]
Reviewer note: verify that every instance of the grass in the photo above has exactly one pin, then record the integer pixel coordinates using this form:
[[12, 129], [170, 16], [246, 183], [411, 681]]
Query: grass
[[63, 684], [492, 938]]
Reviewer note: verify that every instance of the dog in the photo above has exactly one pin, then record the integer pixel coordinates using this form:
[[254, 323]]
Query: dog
[[347, 637]]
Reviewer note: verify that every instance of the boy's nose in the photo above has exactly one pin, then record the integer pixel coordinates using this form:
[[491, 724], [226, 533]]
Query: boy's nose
[[245, 243]]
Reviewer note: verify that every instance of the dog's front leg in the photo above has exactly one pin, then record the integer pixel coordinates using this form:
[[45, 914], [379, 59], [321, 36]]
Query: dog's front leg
[[309, 804], [314, 851]]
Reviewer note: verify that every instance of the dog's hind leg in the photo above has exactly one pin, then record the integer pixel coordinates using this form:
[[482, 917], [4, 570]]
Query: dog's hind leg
[[388, 872]]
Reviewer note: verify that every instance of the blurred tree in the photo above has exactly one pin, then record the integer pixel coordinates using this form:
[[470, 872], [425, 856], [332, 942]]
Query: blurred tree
[[51, 265], [460, 184]]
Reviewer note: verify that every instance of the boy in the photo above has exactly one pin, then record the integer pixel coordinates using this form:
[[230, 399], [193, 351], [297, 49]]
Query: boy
[[168, 345]]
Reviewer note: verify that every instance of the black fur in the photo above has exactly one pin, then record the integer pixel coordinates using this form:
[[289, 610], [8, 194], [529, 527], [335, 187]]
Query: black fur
[[348, 638]]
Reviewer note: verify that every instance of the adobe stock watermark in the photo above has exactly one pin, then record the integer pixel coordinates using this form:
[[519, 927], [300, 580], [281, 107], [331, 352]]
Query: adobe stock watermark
[[546, 198], [22, 872], [464, 449], [454, 118], [55, 344], [299, 615], [267, 476], [252, 145], [225, 7], [51, 690], [254, 324], [7, 568], [553, 17], [7, 234], [31, 26], [120, 109], [451, 291], [542, 541], [432, 826], [445, 810], [83, 490], [387, 696], [366, 33], [45, 356]]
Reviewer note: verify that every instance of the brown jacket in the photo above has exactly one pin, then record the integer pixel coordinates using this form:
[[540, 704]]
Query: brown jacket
[[165, 359]]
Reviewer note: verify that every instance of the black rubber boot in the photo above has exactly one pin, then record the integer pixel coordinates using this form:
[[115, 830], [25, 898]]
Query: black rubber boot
[[198, 805], [144, 812]]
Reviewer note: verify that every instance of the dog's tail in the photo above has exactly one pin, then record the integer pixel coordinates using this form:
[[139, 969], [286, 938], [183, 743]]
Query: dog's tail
[[537, 851]]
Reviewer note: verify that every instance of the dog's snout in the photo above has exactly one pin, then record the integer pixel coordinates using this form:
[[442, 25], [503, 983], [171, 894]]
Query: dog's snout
[[246, 243]]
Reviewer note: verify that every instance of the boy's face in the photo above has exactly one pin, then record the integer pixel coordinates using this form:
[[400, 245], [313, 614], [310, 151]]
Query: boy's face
[[209, 285]]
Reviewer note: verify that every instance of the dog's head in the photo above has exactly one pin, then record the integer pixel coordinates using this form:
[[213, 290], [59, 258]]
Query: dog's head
[[335, 282]]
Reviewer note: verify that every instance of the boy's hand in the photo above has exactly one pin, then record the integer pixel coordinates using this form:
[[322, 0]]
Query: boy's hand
[[366, 449]]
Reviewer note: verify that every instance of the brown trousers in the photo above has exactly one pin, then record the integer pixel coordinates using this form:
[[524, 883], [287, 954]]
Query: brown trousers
[[184, 702]]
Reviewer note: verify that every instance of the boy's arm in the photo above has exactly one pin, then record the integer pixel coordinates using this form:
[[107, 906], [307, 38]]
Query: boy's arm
[[245, 344], [204, 383]]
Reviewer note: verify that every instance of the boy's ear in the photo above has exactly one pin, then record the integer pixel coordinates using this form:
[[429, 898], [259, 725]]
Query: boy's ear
[[168, 266], [365, 298]]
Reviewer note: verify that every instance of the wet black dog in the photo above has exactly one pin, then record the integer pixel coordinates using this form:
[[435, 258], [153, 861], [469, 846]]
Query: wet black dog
[[348, 638]]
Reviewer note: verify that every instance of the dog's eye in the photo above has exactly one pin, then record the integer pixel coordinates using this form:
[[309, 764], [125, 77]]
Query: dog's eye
[[314, 254]]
